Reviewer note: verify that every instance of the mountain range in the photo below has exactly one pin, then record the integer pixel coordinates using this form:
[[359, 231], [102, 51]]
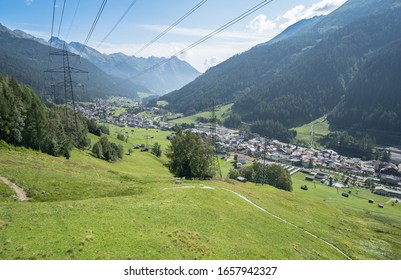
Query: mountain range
[[310, 69], [171, 73], [26, 58]]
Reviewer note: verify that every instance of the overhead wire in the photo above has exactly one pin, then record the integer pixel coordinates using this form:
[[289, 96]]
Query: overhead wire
[[61, 19], [73, 18], [51, 35], [203, 39], [99, 13], [54, 12], [191, 11], [118, 22], [50, 44], [171, 26]]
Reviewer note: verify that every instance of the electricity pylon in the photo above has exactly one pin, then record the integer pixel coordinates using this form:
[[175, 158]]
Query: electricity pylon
[[213, 134], [69, 98]]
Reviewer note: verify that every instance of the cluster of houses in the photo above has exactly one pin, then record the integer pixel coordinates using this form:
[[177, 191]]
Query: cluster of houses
[[386, 176], [131, 115]]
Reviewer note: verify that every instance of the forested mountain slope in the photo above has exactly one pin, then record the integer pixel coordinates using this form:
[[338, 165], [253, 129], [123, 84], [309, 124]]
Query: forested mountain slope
[[300, 77], [373, 99], [319, 75], [26, 60]]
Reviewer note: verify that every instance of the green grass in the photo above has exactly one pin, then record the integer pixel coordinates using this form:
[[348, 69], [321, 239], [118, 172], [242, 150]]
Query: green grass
[[6, 194], [119, 111], [162, 103], [321, 128], [225, 167], [360, 229], [86, 208], [170, 223], [145, 94], [45, 177], [221, 114]]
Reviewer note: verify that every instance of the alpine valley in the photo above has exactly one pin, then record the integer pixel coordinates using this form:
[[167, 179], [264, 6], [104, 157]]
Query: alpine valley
[[344, 65], [27, 58], [287, 151]]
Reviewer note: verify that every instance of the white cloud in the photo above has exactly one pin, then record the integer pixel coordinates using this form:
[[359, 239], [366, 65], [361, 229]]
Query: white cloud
[[292, 16], [261, 24], [183, 56], [298, 13], [326, 6], [212, 61], [28, 2]]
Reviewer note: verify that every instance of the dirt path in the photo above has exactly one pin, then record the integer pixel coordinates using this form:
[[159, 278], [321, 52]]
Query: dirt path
[[291, 224], [21, 194]]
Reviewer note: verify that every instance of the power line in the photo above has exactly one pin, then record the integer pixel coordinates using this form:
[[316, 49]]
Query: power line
[[99, 13], [54, 12], [166, 30], [52, 88], [208, 36], [118, 22], [61, 20], [171, 26], [73, 18], [225, 26]]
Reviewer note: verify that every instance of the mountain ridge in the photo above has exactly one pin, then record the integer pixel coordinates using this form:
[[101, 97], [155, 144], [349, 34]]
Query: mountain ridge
[[171, 74], [300, 78], [27, 60]]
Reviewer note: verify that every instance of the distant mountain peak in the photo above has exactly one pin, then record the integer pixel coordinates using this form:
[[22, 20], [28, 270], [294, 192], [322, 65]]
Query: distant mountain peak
[[25, 35], [171, 75]]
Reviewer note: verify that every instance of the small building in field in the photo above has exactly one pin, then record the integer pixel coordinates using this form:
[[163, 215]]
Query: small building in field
[[387, 192], [241, 179]]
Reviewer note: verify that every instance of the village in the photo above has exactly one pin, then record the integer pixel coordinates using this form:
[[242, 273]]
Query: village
[[325, 166]]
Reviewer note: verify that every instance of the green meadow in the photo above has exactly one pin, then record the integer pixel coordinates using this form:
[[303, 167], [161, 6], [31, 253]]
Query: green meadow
[[222, 112], [87, 208], [320, 127]]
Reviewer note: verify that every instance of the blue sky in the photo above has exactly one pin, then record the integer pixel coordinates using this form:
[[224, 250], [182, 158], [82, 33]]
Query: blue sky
[[148, 18]]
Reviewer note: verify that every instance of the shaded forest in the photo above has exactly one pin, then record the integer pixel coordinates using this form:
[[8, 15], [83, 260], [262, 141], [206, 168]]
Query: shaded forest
[[300, 77], [26, 122]]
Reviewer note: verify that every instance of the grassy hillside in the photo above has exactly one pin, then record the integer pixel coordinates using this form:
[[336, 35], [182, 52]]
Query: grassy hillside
[[320, 126], [45, 178], [221, 114], [86, 208]]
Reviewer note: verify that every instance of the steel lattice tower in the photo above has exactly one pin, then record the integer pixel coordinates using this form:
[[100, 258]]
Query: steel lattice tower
[[213, 134], [69, 98]]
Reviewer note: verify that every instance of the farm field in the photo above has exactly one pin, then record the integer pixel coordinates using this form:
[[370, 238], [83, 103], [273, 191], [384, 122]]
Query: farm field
[[86, 208]]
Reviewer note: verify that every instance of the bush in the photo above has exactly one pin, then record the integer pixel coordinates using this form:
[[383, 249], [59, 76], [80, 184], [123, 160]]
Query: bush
[[233, 174], [108, 151], [274, 175], [156, 150], [120, 137]]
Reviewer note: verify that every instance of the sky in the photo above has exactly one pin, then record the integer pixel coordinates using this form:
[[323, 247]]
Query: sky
[[144, 20]]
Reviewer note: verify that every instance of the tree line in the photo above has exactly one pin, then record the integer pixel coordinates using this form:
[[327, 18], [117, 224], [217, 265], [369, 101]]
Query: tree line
[[274, 175], [26, 122]]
